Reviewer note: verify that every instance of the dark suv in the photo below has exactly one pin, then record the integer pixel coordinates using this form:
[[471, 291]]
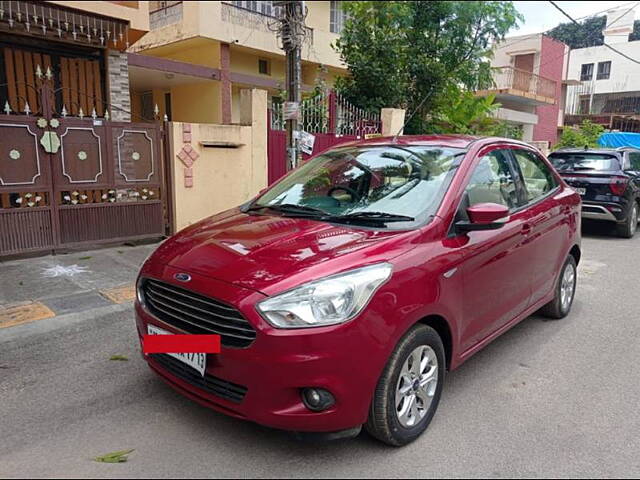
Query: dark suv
[[608, 181]]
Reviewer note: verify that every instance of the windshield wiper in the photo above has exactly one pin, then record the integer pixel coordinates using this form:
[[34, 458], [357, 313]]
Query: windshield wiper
[[376, 216], [293, 210], [290, 208]]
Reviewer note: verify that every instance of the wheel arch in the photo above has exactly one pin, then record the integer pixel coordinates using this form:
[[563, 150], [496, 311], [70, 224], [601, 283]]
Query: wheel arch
[[576, 253], [443, 329]]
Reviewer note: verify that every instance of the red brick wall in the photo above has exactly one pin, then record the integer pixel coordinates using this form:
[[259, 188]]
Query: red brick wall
[[552, 59]]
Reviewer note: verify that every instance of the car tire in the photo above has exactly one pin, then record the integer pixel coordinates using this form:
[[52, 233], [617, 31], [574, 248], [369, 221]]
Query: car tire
[[560, 306], [398, 389], [627, 229]]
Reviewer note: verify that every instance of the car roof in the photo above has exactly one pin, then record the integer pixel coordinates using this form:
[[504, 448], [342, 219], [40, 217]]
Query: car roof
[[454, 141]]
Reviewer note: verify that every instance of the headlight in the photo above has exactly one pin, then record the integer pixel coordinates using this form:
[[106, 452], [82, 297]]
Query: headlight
[[329, 301]]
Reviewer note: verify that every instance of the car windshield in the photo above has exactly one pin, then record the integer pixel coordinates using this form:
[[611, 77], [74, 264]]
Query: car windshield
[[575, 161], [385, 185]]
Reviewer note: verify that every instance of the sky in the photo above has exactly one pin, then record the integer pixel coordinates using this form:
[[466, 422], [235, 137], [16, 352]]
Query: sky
[[541, 16]]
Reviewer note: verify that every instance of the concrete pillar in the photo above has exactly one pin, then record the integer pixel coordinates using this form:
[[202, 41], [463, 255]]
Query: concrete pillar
[[392, 121], [253, 112], [119, 97], [225, 82], [527, 132]]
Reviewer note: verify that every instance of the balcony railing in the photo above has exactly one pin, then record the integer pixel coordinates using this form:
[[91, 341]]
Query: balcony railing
[[166, 14], [256, 20], [509, 78]]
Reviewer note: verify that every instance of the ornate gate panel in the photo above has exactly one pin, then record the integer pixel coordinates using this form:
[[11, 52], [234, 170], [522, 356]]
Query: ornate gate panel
[[26, 219], [109, 182]]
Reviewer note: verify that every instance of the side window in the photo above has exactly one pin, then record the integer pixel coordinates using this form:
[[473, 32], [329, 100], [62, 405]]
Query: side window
[[634, 159], [537, 178], [492, 182]]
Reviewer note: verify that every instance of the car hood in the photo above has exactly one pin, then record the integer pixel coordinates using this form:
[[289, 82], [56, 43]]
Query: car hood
[[270, 253]]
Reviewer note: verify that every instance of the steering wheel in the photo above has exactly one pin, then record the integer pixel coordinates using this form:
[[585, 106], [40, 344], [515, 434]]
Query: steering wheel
[[354, 195]]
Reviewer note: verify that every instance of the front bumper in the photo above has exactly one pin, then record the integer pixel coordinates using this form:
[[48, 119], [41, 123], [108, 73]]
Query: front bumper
[[345, 359]]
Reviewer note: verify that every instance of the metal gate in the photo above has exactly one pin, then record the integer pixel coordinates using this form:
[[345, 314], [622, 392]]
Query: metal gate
[[71, 181], [329, 117]]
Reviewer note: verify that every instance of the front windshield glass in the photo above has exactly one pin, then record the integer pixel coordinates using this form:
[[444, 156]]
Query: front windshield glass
[[369, 182]]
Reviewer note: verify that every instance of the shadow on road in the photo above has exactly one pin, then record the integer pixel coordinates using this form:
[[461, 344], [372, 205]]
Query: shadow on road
[[596, 229]]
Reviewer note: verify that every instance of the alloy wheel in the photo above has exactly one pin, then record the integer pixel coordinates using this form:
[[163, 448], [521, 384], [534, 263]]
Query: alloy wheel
[[633, 225], [567, 287], [416, 386]]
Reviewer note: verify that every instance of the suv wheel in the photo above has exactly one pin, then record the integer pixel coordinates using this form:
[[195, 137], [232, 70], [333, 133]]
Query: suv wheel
[[409, 389], [628, 228], [560, 306]]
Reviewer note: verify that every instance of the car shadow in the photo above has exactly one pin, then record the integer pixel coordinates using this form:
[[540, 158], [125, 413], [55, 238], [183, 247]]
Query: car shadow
[[596, 229]]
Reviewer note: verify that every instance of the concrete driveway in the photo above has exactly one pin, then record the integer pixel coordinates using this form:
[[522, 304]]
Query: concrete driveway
[[547, 399]]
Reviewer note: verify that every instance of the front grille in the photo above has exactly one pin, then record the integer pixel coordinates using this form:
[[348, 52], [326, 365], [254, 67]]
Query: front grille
[[197, 314], [208, 383]]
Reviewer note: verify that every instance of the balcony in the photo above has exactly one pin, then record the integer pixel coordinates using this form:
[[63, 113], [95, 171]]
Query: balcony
[[167, 14], [520, 86]]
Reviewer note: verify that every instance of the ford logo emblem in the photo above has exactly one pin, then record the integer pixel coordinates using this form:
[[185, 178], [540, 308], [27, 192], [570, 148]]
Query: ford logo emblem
[[182, 277]]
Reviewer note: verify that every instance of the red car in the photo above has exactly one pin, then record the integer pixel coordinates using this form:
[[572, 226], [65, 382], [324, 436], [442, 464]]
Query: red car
[[345, 291]]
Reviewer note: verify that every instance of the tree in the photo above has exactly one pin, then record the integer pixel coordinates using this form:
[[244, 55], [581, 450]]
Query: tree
[[583, 136], [404, 53], [588, 33]]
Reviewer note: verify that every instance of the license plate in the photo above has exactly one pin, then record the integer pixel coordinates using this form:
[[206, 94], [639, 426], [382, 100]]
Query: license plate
[[580, 191], [197, 361]]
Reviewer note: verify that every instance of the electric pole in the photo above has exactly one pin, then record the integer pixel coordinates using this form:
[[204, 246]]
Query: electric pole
[[292, 31]]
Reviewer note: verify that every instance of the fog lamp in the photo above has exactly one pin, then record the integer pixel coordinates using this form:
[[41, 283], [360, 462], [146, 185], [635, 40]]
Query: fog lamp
[[317, 399]]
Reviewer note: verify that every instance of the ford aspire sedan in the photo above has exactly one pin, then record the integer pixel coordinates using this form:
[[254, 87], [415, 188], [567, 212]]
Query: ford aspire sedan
[[346, 291]]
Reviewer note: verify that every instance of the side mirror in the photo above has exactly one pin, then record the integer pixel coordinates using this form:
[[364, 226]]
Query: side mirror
[[484, 216]]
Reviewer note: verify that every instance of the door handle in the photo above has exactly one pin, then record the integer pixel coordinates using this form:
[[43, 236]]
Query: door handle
[[526, 229]]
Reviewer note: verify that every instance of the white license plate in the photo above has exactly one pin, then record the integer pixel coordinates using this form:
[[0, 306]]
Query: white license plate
[[197, 361], [581, 191]]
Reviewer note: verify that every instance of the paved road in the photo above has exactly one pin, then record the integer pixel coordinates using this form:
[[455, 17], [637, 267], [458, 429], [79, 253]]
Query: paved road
[[549, 398]]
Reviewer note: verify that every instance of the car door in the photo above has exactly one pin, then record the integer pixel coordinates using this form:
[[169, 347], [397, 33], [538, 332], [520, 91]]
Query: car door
[[634, 167], [495, 267], [545, 221]]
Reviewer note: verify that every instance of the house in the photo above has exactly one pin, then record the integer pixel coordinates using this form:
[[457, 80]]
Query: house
[[529, 71], [199, 55], [608, 92], [74, 169]]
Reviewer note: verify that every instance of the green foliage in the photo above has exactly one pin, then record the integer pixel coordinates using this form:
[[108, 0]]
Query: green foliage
[[320, 83], [586, 135], [119, 358], [588, 34], [114, 457], [469, 114], [402, 52], [507, 130]]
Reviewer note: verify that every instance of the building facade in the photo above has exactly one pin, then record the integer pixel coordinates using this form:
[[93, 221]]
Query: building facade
[[608, 91], [199, 55], [529, 72]]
